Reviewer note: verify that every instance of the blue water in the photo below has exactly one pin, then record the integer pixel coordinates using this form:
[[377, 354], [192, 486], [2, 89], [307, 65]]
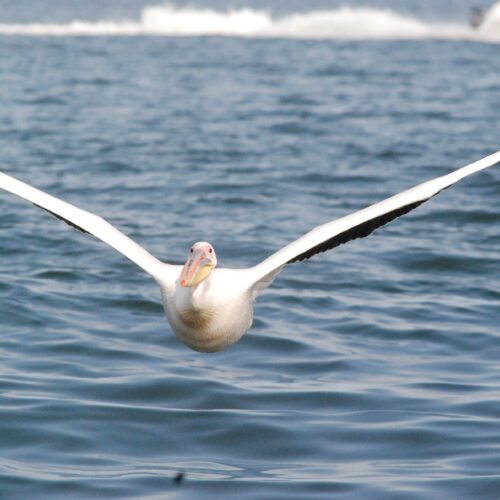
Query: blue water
[[371, 371]]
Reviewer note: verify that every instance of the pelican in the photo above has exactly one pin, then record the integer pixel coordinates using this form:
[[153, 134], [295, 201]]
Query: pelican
[[211, 308]]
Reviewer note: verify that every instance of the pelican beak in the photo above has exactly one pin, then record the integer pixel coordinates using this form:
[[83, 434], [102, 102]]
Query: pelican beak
[[200, 263]]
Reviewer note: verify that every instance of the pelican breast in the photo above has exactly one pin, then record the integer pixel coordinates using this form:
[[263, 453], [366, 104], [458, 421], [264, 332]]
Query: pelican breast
[[199, 319]]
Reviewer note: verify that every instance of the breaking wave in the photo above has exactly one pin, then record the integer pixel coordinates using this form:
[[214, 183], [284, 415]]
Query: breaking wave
[[344, 23]]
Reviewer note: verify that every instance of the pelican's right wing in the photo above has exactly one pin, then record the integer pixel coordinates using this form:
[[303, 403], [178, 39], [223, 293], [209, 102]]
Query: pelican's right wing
[[87, 222], [359, 224]]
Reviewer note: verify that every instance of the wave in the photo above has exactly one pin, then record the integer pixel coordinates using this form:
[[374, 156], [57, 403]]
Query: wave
[[345, 23]]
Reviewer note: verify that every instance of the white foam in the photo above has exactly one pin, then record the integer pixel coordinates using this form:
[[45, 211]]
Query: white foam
[[168, 20], [343, 23], [491, 21], [350, 23]]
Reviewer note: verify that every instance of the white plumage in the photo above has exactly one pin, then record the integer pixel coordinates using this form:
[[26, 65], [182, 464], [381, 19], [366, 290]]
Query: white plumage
[[210, 308]]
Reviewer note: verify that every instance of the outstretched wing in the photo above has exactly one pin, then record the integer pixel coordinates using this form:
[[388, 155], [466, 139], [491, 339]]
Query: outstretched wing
[[361, 223], [87, 222]]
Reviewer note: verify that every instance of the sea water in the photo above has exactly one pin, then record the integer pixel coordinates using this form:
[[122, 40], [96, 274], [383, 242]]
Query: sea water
[[371, 371]]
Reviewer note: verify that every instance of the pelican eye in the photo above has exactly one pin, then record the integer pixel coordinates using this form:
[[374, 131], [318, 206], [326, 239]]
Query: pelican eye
[[210, 250]]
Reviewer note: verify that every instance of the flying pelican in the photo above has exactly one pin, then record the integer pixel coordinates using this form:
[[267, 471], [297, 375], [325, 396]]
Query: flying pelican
[[210, 308]]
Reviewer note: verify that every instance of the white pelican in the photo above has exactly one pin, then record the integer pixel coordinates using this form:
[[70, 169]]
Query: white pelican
[[211, 308]]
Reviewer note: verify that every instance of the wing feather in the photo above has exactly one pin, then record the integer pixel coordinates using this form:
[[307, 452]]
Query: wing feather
[[361, 223], [88, 222], [359, 231]]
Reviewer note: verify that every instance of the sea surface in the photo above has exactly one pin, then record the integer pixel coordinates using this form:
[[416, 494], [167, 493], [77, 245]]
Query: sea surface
[[371, 371]]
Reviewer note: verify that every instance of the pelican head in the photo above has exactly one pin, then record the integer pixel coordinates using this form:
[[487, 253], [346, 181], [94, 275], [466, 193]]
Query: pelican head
[[199, 265]]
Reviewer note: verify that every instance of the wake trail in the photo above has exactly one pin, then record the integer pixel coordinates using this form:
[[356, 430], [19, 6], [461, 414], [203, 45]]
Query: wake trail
[[346, 23]]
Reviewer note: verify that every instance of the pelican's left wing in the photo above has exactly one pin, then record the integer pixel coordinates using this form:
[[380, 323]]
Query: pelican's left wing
[[361, 223], [89, 223]]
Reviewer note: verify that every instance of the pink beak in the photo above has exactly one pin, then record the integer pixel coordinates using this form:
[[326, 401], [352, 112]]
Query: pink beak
[[192, 266]]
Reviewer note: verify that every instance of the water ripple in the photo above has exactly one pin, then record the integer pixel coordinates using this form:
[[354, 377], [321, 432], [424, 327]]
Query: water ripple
[[370, 371]]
